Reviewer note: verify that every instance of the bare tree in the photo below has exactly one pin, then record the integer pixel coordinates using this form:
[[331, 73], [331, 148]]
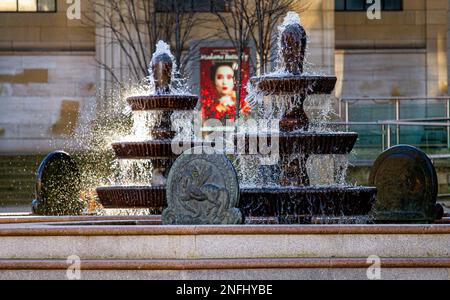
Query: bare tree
[[255, 21], [136, 26], [264, 18], [238, 30]]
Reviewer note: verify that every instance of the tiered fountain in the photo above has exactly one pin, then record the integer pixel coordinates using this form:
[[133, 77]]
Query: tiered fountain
[[296, 198], [290, 201], [150, 251], [157, 147]]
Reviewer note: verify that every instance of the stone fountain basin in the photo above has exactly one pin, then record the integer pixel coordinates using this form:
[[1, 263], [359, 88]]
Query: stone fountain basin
[[259, 202], [308, 201], [301, 85], [132, 196], [163, 102], [144, 149], [317, 142], [40, 251], [289, 143]]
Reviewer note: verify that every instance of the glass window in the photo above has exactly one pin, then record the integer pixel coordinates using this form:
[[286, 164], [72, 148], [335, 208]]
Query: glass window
[[46, 5], [340, 5], [362, 5], [392, 5], [8, 5], [27, 5], [191, 5], [355, 4], [219, 5], [202, 5]]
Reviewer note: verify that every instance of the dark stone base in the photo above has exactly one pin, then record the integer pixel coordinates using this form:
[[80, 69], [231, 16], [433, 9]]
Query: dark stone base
[[297, 202], [152, 197], [287, 204]]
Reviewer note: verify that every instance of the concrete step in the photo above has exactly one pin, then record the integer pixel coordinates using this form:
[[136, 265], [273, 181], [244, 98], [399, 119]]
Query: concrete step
[[17, 196], [225, 252], [15, 177], [228, 269], [21, 161], [18, 179], [22, 186]]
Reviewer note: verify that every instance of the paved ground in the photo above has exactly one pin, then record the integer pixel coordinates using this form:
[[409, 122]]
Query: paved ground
[[26, 209], [446, 205], [15, 209]]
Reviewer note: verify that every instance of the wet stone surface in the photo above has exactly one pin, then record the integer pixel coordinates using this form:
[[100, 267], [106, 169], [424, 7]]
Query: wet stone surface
[[58, 186], [407, 186], [202, 189]]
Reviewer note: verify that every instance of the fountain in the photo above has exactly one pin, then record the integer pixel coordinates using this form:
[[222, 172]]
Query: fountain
[[157, 147], [296, 197], [117, 247]]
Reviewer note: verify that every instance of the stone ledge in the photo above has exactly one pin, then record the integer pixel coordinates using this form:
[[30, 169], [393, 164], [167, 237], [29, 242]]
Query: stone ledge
[[29, 218], [230, 264], [237, 274], [223, 246], [76, 229]]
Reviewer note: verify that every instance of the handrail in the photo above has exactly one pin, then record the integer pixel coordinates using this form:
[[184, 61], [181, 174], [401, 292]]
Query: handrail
[[402, 98], [386, 135], [426, 119], [403, 123], [344, 114]]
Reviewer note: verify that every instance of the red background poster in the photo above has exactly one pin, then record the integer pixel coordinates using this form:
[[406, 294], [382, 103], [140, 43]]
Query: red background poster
[[217, 88]]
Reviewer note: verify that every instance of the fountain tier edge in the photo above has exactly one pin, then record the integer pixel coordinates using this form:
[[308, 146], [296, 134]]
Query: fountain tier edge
[[259, 202], [295, 84], [301, 142], [294, 197], [162, 102]]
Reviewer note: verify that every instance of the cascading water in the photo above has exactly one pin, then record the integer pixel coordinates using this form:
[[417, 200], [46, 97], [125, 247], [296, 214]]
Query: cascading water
[[293, 173], [151, 140], [310, 176]]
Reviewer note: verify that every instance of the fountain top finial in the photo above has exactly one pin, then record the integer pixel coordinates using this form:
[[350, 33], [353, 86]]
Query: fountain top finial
[[293, 43], [162, 66]]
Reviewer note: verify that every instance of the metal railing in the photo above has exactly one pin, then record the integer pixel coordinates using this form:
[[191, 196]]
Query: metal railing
[[344, 104], [398, 121], [386, 132]]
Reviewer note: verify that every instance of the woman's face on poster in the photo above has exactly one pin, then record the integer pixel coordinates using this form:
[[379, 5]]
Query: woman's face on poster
[[224, 81]]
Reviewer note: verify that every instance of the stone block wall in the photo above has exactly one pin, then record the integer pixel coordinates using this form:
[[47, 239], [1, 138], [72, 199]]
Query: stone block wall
[[47, 31], [42, 98], [47, 77], [381, 73], [419, 33]]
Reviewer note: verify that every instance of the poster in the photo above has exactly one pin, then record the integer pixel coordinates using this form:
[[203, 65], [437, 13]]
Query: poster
[[218, 83]]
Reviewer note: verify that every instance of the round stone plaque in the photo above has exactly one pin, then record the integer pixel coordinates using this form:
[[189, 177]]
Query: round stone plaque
[[58, 186], [202, 188], [407, 186]]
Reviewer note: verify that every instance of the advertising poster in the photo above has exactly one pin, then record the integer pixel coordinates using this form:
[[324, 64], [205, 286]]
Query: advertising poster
[[218, 83]]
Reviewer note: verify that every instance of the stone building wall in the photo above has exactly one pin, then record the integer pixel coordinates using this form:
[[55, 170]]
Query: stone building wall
[[402, 54], [47, 78]]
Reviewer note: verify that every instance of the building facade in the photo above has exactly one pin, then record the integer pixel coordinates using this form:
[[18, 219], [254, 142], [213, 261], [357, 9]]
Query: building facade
[[49, 70]]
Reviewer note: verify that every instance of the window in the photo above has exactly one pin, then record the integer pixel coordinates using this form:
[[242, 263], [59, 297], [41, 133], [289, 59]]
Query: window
[[191, 5], [28, 6], [362, 5]]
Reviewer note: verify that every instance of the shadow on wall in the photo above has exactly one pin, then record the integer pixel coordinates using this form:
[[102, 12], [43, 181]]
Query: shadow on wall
[[27, 76], [68, 118]]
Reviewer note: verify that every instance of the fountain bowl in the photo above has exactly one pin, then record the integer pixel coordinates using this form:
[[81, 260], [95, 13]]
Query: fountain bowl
[[317, 142], [120, 196], [309, 200], [302, 85], [162, 102], [282, 201], [143, 149]]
